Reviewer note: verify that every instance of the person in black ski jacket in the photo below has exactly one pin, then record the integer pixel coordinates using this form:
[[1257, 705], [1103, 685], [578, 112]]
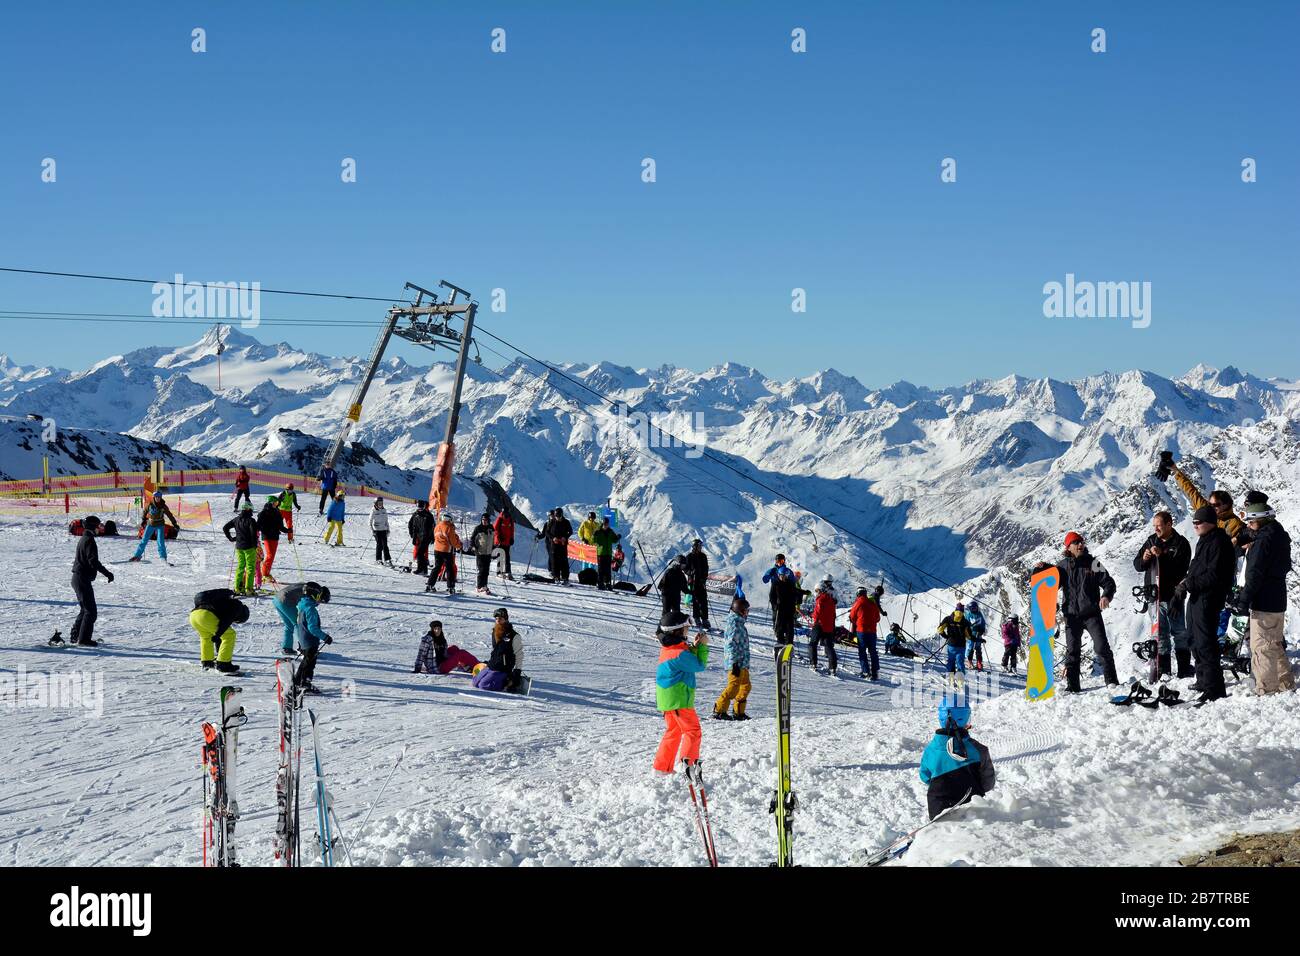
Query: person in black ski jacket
[[1263, 596], [1087, 589], [215, 613], [1208, 584], [421, 528], [1164, 557], [480, 545], [84, 568], [270, 523], [672, 585], [697, 570], [558, 531], [785, 594]]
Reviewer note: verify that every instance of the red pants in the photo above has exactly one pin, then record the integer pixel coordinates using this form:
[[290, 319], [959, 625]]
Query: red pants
[[457, 658], [269, 547], [288, 522], [681, 733]]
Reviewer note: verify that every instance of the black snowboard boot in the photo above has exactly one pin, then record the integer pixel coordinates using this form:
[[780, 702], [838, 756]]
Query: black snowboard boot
[[1185, 668], [227, 667], [1164, 665]]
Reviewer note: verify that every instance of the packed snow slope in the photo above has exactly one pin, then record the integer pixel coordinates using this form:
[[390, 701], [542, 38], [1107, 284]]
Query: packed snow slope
[[953, 480], [564, 776]]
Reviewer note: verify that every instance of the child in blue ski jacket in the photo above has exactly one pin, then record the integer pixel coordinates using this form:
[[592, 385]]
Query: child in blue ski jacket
[[336, 515], [735, 661], [955, 766]]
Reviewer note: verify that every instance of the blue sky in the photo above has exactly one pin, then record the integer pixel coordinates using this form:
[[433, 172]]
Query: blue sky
[[775, 170]]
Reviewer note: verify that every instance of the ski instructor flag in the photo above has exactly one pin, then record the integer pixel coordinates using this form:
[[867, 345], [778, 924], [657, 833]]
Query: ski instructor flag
[[1040, 669]]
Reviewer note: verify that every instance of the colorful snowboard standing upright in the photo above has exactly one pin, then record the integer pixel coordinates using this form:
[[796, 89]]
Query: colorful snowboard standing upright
[[1040, 676], [783, 802], [220, 757]]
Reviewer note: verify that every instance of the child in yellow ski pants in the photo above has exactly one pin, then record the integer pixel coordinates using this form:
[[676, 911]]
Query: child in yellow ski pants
[[205, 623], [334, 527]]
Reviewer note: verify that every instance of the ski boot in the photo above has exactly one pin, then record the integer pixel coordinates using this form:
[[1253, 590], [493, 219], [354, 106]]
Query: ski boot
[[209, 665], [721, 715], [85, 642], [737, 717], [134, 557], [227, 667]]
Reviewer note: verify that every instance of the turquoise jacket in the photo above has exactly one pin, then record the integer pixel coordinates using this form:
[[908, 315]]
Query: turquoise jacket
[[309, 618]]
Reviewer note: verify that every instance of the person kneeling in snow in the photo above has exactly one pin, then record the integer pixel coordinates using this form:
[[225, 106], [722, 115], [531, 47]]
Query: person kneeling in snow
[[506, 659], [955, 766], [436, 657], [679, 662]]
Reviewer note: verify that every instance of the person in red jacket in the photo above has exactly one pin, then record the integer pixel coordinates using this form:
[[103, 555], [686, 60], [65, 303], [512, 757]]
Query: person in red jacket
[[241, 487], [503, 536], [864, 618], [823, 626]]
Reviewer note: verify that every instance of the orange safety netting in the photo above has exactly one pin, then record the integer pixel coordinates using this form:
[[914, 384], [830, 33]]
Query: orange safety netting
[[190, 515], [130, 483]]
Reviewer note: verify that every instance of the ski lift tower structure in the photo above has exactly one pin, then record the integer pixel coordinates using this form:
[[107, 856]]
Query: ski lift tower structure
[[430, 324]]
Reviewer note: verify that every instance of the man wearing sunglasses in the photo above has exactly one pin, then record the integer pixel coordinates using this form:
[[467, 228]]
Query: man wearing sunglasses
[[1088, 589], [1219, 499]]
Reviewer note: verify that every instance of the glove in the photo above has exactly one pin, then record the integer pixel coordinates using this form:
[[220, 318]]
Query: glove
[[1166, 465], [1180, 593], [109, 575], [328, 640]]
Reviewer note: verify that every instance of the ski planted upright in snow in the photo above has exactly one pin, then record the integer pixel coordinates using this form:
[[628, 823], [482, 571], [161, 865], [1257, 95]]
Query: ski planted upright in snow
[[783, 801], [220, 758]]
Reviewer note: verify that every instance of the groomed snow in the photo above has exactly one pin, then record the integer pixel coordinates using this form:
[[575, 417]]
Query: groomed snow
[[564, 777]]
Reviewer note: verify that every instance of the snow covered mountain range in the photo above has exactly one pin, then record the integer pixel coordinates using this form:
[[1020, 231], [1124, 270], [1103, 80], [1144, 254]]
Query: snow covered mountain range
[[956, 481]]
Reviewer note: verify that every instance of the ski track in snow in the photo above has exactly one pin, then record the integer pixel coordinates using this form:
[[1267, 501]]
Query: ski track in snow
[[563, 777]]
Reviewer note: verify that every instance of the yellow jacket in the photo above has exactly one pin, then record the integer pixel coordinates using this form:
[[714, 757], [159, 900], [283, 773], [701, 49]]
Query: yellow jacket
[[587, 531], [1231, 524]]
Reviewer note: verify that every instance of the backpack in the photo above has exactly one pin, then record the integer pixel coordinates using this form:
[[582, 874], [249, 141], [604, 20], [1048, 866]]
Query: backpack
[[213, 597], [588, 576]]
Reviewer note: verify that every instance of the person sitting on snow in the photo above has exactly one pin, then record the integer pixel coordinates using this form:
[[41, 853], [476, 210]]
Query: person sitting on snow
[[955, 766], [506, 660], [436, 657]]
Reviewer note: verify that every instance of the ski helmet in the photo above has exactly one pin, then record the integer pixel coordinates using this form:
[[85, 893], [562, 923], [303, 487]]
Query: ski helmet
[[862, 592], [288, 486], [958, 713], [157, 496], [240, 612], [246, 506], [272, 500]]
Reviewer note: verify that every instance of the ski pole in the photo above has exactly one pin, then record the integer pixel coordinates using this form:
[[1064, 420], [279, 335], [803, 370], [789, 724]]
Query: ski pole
[[375, 802]]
